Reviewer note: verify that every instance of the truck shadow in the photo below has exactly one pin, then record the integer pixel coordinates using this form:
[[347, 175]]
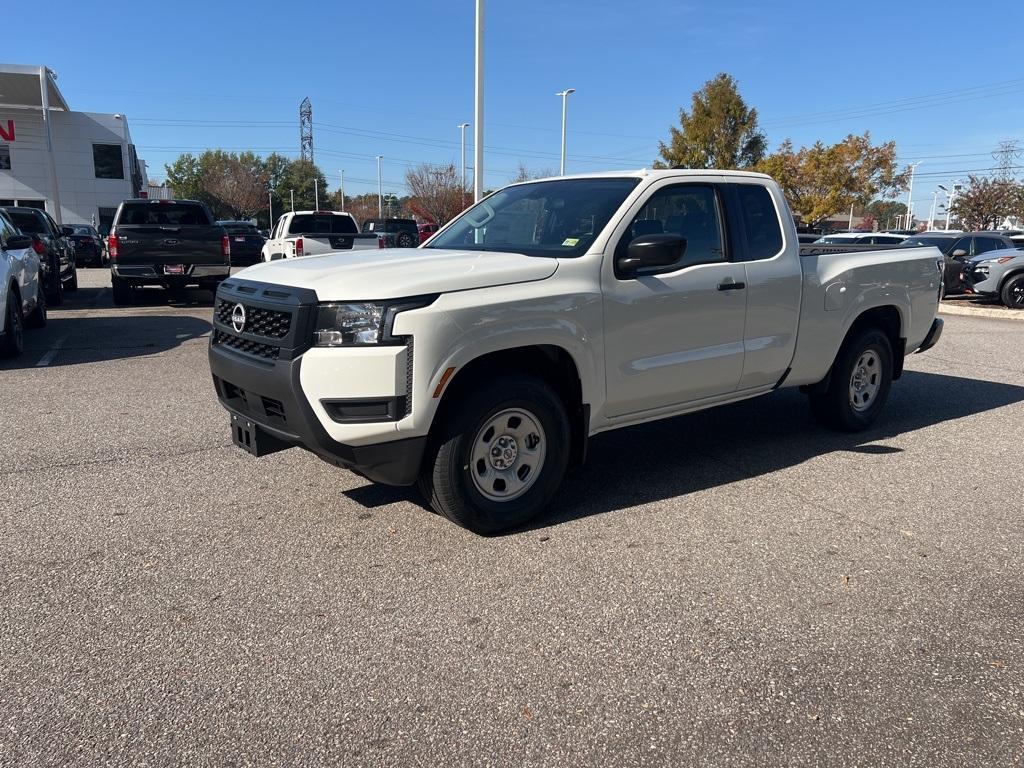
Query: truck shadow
[[673, 458]]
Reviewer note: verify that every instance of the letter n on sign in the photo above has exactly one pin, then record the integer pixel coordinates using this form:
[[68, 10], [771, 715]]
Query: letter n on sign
[[7, 135]]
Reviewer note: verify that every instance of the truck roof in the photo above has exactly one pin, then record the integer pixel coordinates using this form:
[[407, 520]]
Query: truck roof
[[317, 213], [656, 173]]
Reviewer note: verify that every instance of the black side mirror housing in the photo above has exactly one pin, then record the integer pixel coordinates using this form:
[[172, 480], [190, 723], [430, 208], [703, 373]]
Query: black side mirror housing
[[19, 242], [650, 252]]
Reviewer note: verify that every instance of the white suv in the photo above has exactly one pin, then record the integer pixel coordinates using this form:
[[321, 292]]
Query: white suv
[[22, 300]]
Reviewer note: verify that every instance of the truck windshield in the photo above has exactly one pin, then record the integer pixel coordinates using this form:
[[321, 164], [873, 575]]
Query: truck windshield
[[312, 224], [161, 213], [545, 218]]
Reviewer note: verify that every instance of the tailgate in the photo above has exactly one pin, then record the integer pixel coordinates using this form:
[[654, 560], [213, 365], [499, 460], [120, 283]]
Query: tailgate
[[186, 244]]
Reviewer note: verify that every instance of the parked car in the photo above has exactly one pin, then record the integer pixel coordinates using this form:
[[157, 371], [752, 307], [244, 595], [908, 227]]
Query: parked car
[[56, 254], [860, 238], [246, 242], [310, 233], [87, 243], [957, 249], [397, 233], [1018, 241], [478, 365], [999, 274], [168, 243], [426, 231], [23, 294]]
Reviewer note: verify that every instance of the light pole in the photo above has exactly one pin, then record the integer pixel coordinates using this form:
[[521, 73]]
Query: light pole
[[342, 173], [931, 211], [910, 196], [380, 194], [293, 199], [565, 101], [462, 194], [950, 197], [270, 199], [316, 194], [478, 111]]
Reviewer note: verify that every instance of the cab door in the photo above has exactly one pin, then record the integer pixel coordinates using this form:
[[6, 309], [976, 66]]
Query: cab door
[[674, 336]]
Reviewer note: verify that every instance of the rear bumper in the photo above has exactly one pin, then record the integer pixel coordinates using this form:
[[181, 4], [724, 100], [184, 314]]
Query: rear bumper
[[934, 333], [266, 398], [153, 274]]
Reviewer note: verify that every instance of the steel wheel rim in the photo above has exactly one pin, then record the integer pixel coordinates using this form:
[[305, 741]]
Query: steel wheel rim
[[865, 380], [507, 454]]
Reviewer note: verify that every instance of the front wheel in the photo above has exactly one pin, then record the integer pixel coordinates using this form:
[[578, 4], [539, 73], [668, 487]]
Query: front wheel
[[859, 384], [499, 457], [1013, 292]]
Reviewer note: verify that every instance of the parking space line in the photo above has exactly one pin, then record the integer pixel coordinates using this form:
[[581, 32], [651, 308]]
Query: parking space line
[[46, 359]]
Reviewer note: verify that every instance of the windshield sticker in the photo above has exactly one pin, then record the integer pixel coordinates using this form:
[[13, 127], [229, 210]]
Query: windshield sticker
[[571, 241]]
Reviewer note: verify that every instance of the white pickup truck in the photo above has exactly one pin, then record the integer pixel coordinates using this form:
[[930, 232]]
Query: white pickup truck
[[311, 233], [478, 365]]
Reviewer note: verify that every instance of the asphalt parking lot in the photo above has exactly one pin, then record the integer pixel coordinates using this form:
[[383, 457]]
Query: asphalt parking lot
[[737, 587]]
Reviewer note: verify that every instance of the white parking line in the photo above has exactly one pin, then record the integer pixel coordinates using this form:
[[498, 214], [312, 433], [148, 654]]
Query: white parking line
[[46, 359]]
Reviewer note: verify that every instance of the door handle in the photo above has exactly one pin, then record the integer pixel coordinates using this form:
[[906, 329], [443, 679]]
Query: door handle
[[731, 285]]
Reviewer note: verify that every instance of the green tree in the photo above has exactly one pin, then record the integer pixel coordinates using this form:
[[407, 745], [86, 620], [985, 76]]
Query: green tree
[[299, 176], [719, 131], [821, 180], [986, 202], [185, 177], [886, 212]]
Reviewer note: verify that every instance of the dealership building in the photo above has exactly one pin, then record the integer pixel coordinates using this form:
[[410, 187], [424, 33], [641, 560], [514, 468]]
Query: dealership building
[[78, 166]]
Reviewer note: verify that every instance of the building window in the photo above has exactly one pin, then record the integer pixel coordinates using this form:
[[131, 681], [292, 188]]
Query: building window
[[5, 157], [108, 161]]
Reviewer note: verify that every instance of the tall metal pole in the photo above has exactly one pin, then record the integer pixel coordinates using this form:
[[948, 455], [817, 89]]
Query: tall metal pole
[[270, 217], [910, 197], [931, 211], [478, 111], [293, 200], [44, 102], [952, 198], [462, 194], [851, 216], [342, 172], [316, 194], [380, 195], [565, 101]]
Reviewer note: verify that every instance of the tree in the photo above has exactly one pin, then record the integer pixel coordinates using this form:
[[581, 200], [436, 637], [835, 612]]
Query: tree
[[525, 174], [185, 177], [821, 180], [238, 183], [719, 131], [885, 212], [299, 175], [986, 202], [436, 191]]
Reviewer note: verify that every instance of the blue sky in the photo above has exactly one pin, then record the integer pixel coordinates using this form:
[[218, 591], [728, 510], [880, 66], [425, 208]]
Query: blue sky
[[945, 80]]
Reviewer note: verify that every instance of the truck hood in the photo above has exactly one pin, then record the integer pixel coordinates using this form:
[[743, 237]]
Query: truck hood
[[393, 273]]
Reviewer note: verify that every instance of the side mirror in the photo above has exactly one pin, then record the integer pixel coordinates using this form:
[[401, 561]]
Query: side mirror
[[19, 242], [959, 253], [650, 252]]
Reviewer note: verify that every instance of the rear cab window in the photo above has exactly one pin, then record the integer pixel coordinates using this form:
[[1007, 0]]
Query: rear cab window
[[321, 224], [177, 214]]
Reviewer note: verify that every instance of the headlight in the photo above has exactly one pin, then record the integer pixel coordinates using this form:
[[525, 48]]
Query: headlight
[[344, 325]]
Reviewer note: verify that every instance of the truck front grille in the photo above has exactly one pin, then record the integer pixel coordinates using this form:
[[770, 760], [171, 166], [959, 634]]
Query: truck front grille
[[259, 321], [246, 345]]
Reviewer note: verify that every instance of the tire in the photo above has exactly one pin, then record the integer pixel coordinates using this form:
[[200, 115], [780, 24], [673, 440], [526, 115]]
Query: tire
[[1012, 293], [405, 240], [859, 383], [505, 415], [55, 296], [73, 282], [12, 343], [37, 319], [122, 291]]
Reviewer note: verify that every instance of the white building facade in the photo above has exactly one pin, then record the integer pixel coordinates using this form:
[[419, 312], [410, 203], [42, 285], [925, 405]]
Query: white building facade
[[78, 166]]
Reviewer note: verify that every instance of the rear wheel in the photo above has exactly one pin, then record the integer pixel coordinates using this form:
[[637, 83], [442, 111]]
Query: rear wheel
[[859, 384], [122, 290], [73, 282], [55, 294], [499, 458], [37, 319], [405, 240], [1013, 292], [13, 342]]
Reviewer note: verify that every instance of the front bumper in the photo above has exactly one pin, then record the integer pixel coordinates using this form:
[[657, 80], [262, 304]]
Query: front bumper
[[258, 379]]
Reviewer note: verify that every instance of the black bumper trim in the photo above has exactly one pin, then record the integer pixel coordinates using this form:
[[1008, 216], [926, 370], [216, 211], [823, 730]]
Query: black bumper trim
[[934, 334]]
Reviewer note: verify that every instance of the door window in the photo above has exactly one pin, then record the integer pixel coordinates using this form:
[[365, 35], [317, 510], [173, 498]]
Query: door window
[[963, 244], [690, 210], [985, 244]]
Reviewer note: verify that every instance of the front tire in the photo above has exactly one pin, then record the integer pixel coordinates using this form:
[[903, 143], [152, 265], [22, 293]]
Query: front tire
[[499, 456], [859, 384], [1012, 294]]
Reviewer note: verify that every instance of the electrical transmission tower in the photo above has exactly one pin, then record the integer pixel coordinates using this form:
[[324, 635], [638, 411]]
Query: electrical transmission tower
[[306, 130], [1006, 156]]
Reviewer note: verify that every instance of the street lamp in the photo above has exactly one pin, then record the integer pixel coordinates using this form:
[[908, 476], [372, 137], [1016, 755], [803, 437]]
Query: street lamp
[[478, 107], [380, 195], [950, 197], [910, 195], [462, 194], [342, 172], [270, 199], [565, 101]]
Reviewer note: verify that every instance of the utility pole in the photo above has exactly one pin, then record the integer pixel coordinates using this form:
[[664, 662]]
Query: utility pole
[[380, 195], [462, 194], [910, 197], [478, 111], [342, 172], [565, 101]]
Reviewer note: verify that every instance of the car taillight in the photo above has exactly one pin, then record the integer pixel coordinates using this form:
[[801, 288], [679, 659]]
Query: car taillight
[[38, 247], [299, 248], [112, 245], [225, 246], [382, 241]]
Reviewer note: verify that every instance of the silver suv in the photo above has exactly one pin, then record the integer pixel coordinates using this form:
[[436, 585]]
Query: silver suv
[[999, 273]]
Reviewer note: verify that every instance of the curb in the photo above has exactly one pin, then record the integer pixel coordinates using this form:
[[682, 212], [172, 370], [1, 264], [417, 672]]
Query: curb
[[972, 310]]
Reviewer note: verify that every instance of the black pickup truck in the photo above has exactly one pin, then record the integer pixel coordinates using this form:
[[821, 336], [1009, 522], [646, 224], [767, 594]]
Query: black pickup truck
[[246, 242], [168, 243]]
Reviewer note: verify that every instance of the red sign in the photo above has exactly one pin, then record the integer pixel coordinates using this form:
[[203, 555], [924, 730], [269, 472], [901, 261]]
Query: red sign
[[7, 135]]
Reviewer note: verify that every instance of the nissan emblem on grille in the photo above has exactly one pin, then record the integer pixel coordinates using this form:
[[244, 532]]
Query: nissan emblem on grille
[[238, 318]]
